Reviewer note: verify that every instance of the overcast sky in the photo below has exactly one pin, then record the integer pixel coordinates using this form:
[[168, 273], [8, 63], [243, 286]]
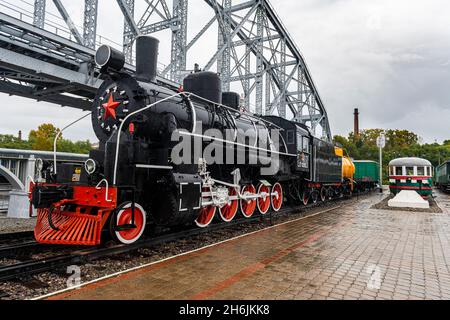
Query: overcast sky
[[391, 59]]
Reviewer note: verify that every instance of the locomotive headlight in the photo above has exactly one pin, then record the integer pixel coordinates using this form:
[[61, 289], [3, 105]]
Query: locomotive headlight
[[91, 166], [39, 164]]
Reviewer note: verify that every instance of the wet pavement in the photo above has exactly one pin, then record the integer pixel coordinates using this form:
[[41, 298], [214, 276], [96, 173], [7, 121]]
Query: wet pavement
[[352, 252]]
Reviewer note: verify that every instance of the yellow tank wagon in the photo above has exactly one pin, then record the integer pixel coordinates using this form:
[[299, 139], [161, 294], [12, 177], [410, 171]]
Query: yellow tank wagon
[[348, 167]]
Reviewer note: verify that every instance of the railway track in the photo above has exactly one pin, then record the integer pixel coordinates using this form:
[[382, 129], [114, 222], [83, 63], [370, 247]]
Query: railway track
[[5, 237], [36, 266]]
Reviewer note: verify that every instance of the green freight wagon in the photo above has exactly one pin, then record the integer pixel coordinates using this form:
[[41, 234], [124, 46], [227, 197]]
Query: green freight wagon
[[443, 176], [367, 175]]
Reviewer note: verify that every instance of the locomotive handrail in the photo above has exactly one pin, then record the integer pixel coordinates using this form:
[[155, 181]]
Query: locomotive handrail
[[235, 111], [116, 159], [187, 95], [107, 189], [249, 115], [58, 135], [237, 144]]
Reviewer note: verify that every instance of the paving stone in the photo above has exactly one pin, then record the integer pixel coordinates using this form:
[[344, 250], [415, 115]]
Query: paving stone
[[351, 253]]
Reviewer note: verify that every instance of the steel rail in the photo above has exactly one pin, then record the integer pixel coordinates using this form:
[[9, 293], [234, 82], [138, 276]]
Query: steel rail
[[16, 235], [32, 267], [6, 250]]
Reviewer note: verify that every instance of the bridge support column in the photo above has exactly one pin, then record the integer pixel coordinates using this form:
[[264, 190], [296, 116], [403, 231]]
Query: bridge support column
[[19, 205]]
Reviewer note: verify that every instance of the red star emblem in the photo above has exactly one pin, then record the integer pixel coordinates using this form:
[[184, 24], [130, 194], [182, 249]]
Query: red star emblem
[[110, 108]]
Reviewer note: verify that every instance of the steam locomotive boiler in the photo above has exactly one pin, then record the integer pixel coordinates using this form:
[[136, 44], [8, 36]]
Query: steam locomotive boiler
[[177, 156]]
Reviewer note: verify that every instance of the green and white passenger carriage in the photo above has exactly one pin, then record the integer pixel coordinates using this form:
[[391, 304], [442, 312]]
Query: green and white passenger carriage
[[411, 174]]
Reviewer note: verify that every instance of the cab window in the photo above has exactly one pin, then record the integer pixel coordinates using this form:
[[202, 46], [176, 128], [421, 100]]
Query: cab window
[[421, 171], [305, 144], [299, 142], [409, 171], [398, 171]]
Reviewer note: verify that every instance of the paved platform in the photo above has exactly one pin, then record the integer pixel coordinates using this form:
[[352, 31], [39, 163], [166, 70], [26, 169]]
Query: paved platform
[[353, 252]]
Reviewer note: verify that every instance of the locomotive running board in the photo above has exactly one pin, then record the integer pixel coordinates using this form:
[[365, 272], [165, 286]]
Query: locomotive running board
[[70, 228]]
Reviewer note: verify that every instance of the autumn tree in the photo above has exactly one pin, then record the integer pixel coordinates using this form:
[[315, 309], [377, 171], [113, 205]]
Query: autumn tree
[[43, 138]]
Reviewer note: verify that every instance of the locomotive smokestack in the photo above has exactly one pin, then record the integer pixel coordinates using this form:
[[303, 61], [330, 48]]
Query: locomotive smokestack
[[356, 123], [146, 58]]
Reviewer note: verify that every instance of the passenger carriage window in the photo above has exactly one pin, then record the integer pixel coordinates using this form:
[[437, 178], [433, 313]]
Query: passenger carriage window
[[409, 171], [421, 171], [398, 171]]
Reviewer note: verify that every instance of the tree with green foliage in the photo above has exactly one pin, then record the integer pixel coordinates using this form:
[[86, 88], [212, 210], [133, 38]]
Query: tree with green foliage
[[12, 142], [399, 143], [43, 139]]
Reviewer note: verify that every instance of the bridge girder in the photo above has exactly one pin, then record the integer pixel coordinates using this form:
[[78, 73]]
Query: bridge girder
[[255, 54]]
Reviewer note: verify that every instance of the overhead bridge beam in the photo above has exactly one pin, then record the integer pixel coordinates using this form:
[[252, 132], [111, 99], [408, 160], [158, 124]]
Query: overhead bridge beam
[[254, 50], [25, 91], [22, 63]]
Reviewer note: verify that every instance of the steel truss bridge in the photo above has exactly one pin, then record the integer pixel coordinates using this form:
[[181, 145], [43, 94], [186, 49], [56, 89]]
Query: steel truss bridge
[[53, 61]]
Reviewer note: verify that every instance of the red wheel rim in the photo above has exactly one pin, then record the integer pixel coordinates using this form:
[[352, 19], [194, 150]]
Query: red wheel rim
[[229, 211], [314, 196], [305, 198], [124, 217], [277, 200], [264, 202], [323, 194], [206, 214], [248, 207]]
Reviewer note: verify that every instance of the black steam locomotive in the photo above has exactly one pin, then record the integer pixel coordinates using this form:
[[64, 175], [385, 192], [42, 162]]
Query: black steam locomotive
[[177, 156]]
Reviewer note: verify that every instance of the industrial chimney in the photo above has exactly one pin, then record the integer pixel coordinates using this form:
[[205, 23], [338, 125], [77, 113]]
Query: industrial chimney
[[356, 123]]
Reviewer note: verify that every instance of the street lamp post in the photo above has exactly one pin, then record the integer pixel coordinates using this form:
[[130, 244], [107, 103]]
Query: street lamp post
[[381, 143]]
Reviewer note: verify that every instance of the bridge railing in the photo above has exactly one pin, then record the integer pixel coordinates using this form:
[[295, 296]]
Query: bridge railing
[[23, 10]]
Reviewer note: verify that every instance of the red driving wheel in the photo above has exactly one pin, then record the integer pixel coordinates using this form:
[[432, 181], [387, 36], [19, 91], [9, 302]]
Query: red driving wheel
[[277, 197], [264, 201], [323, 194], [206, 215], [305, 198], [229, 211], [248, 207], [124, 215]]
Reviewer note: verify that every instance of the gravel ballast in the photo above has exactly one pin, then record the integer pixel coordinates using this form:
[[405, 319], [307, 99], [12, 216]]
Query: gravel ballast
[[383, 205]]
